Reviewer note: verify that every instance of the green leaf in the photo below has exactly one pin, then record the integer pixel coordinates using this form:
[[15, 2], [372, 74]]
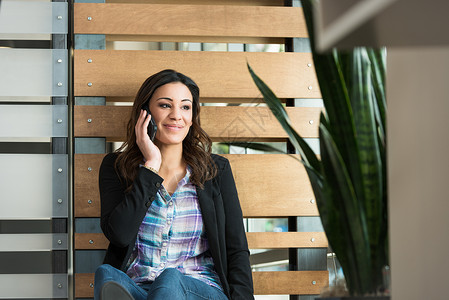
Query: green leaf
[[377, 59], [307, 154], [367, 141], [332, 69], [352, 220]]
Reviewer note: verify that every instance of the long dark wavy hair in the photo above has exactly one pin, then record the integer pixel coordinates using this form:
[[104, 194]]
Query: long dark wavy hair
[[197, 145]]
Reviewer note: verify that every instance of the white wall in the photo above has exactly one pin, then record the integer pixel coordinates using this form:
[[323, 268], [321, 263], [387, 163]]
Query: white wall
[[418, 149]]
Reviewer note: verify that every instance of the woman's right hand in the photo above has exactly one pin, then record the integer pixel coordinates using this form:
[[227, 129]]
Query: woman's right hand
[[150, 151]]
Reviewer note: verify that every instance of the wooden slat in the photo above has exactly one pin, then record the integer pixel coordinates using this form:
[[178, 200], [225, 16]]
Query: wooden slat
[[271, 185], [90, 241], [86, 193], [265, 283], [256, 240], [208, 2], [252, 123], [290, 282], [194, 39], [255, 176], [84, 285], [218, 74], [202, 20], [222, 123], [202, 100], [276, 240]]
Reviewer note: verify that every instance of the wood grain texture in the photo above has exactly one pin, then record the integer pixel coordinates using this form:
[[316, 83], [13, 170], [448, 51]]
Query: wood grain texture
[[86, 193], [202, 20], [120, 73], [90, 241], [265, 283], [194, 39], [278, 240], [84, 285], [206, 2], [256, 240], [222, 123], [111, 99], [269, 185], [290, 282]]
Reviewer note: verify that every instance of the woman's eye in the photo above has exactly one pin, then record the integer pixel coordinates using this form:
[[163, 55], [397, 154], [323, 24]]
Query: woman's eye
[[186, 107], [164, 105]]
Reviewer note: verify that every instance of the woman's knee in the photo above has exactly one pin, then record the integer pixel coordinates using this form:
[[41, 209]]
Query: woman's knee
[[105, 271]]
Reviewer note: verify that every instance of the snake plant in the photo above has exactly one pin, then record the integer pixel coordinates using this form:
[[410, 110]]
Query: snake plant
[[349, 181]]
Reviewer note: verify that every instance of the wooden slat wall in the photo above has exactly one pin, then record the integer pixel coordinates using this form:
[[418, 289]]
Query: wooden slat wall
[[221, 123], [219, 74], [269, 185], [255, 176]]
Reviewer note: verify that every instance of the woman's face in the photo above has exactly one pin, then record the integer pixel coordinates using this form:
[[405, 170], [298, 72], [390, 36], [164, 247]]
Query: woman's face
[[171, 108]]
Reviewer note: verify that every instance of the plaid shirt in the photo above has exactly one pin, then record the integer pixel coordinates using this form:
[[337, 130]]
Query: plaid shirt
[[172, 236]]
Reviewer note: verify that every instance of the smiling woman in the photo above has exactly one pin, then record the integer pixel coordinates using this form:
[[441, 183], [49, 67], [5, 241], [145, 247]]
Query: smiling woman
[[163, 91], [170, 208]]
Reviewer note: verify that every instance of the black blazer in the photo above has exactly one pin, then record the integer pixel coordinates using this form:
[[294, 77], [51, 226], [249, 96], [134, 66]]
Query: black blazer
[[122, 213]]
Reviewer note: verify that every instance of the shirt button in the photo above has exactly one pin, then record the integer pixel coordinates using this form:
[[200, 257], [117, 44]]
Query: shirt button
[[158, 184], [148, 204], [170, 203], [168, 222], [164, 244], [152, 198], [162, 265], [152, 274]]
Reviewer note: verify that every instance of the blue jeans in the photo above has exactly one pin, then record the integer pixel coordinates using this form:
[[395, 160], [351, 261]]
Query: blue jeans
[[170, 284]]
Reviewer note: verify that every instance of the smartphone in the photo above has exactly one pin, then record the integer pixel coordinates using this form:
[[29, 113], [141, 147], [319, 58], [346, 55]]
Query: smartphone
[[152, 127]]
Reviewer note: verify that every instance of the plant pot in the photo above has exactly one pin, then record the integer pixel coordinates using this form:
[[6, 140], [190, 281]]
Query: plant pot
[[356, 298]]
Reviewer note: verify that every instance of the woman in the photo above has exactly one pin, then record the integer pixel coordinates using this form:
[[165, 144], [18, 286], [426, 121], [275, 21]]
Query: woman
[[170, 208]]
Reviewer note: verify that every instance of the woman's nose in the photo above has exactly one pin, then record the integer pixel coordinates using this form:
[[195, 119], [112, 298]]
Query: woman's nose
[[175, 113]]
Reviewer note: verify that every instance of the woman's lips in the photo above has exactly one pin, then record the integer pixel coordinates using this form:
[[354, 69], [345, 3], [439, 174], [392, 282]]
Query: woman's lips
[[173, 127]]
